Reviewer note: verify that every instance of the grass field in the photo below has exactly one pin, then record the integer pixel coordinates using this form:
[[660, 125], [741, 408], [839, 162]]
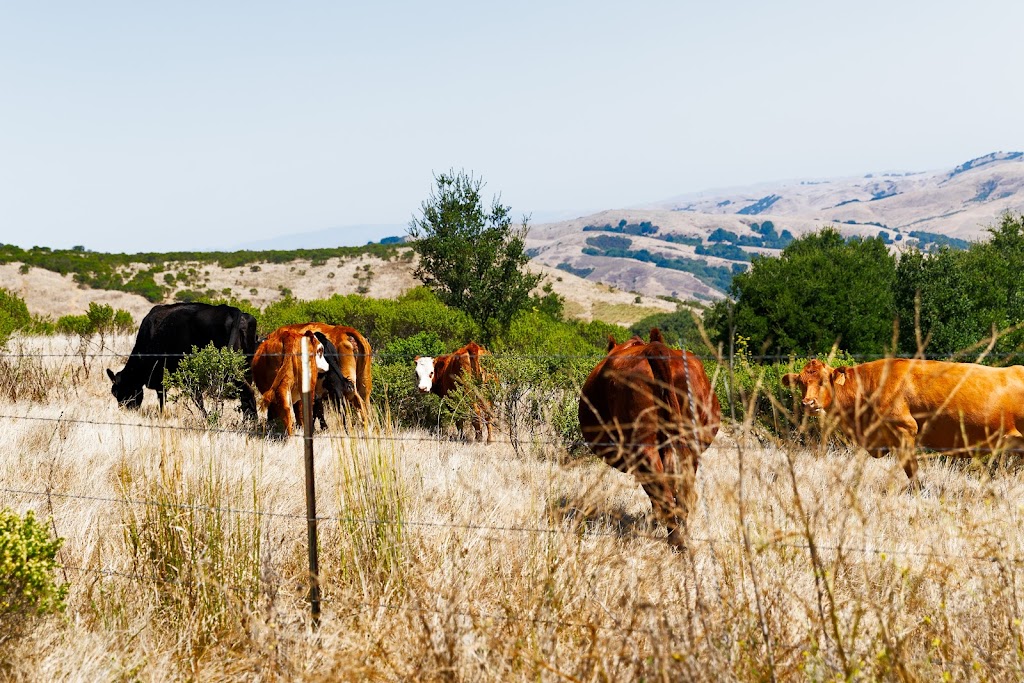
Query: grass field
[[185, 551]]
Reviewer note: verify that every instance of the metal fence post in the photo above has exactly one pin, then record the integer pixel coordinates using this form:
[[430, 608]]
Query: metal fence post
[[307, 438]]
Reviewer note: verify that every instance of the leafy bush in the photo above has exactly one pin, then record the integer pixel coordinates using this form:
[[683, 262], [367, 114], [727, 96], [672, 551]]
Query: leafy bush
[[394, 386], [208, 374], [406, 350], [28, 558], [13, 314], [100, 319], [379, 320]]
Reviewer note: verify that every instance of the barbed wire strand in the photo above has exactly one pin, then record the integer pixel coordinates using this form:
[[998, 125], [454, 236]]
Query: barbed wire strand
[[587, 532], [258, 434]]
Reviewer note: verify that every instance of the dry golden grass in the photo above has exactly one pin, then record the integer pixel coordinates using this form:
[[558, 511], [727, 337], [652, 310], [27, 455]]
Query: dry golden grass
[[442, 560]]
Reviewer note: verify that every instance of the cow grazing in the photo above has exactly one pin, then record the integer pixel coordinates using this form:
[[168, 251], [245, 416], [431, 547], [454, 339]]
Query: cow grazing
[[352, 380], [277, 372], [441, 375], [167, 333], [649, 410], [900, 404]]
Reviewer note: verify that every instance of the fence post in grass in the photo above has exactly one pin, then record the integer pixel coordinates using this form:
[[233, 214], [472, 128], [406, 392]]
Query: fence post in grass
[[307, 438]]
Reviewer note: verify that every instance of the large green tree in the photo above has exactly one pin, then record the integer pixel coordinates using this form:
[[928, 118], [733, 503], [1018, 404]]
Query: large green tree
[[954, 300], [820, 291], [473, 256]]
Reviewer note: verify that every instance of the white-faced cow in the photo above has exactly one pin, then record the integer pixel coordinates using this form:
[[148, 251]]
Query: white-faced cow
[[650, 410], [170, 331], [443, 374]]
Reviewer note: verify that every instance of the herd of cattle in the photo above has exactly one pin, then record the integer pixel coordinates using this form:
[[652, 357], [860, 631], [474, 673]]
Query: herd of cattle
[[646, 408]]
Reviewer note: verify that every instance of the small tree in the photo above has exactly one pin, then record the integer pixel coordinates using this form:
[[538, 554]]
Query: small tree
[[13, 314], [472, 257], [208, 373]]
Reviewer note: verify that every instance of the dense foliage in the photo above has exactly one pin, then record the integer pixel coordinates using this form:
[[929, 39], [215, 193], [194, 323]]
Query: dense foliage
[[13, 314], [822, 289], [473, 257]]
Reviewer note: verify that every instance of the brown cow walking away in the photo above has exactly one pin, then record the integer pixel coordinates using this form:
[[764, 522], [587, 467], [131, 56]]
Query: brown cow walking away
[[650, 411], [899, 404], [441, 375]]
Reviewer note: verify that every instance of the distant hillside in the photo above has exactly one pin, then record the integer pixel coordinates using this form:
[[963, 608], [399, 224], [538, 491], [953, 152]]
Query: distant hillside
[[690, 246], [261, 278]]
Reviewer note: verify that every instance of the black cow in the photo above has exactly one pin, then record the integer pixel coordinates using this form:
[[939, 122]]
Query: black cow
[[170, 331]]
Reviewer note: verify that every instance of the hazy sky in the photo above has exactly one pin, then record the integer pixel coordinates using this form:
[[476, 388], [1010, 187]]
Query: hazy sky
[[128, 126]]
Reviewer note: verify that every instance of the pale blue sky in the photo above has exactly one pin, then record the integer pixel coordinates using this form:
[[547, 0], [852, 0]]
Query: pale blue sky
[[128, 126]]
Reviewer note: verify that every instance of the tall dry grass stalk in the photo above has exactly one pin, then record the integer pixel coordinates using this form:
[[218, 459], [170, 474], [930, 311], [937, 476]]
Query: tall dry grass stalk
[[443, 560], [370, 548]]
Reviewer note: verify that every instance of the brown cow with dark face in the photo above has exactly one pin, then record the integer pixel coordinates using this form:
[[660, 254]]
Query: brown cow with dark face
[[649, 410], [353, 358], [442, 374], [277, 372], [900, 404]]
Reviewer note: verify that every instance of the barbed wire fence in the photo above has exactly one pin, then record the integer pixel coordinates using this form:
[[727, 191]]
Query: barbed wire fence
[[590, 530]]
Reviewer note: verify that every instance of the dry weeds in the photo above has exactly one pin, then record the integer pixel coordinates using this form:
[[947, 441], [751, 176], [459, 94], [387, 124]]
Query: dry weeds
[[443, 560]]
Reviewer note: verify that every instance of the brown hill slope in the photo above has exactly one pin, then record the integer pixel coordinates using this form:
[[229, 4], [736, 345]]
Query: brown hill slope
[[958, 202]]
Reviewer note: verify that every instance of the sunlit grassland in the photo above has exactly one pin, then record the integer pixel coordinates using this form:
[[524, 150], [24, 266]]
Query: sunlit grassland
[[441, 560]]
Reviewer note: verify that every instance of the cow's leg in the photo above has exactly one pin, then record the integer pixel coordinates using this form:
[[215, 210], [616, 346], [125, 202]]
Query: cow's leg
[[907, 453], [658, 486], [247, 400], [488, 416], [477, 419]]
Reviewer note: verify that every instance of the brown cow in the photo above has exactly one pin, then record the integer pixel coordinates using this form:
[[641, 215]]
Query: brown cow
[[900, 404], [649, 410], [277, 372], [442, 374], [354, 358]]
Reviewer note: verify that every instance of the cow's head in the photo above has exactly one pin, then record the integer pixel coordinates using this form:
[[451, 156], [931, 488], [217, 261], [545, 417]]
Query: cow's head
[[424, 373], [317, 349], [817, 381], [127, 396], [341, 376]]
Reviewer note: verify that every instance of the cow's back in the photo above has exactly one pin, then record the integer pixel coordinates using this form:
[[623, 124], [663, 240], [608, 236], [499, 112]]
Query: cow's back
[[617, 402], [953, 404]]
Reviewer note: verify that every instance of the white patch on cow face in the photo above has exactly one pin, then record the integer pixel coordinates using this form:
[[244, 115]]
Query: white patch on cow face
[[425, 373], [321, 362]]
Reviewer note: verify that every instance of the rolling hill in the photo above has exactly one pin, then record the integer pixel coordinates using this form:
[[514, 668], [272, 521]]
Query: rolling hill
[[689, 246]]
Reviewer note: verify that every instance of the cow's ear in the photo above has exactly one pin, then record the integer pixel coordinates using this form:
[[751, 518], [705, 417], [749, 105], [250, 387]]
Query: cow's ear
[[839, 376], [110, 374], [790, 379], [611, 343], [416, 358]]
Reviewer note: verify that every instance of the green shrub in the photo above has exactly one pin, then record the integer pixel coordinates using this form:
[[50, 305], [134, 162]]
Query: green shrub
[[13, 314], [208, 374], [100, 319], [394, 386], [380, 320], [28, 558], [405, 350]]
